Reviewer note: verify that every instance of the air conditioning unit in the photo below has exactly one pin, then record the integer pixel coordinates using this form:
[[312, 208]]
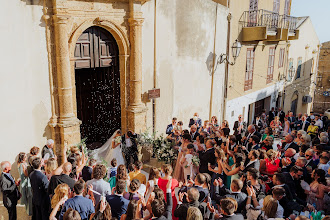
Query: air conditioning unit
[[307, 99]]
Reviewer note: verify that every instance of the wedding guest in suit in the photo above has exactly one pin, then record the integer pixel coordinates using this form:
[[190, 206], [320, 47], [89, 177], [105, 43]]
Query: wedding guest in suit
[[195, 121], [192, 201], [281, 114], [298, 123], [271, 114], [251, 131], [228, 208], [117, 201], [309, 154], [129, 140], [254, 143], [207, 157], [305, 123], [79, 203], [193, 132], [10, 193], [40, 199], [62, 178], [253, 161], [239, 128], [291, 120], [288, 143], [221, 192], [88, 170], [199, 182], [171, 126], [47, 151]]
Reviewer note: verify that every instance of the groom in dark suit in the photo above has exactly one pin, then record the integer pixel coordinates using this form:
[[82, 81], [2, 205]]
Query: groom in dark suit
[[131, 151], [9, 190]]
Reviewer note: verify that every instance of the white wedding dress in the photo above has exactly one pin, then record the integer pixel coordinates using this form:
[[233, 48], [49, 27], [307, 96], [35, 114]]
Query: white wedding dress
[[107, 153]]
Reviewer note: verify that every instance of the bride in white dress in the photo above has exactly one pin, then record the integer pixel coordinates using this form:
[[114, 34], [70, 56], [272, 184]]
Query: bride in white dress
[[110, 150]]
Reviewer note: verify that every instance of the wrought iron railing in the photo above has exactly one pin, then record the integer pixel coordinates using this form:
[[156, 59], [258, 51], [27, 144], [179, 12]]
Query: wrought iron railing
[[270, 19]]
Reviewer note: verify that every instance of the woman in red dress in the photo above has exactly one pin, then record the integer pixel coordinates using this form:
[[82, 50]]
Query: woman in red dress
[[162, 182], [270, 165]]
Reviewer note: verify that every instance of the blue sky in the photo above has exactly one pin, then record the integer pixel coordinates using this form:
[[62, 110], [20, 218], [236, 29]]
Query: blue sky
[[319, 11]]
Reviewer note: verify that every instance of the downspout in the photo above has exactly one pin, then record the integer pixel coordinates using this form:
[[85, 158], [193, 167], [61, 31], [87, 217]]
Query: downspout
[[214, 60], [155, 70], [226, 67]]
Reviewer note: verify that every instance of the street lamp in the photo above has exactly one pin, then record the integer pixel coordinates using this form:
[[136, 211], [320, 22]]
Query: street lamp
[[236, 49], [292, 71]]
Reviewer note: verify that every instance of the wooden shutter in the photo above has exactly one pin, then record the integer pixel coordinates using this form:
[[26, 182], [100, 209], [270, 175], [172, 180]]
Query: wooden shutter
[[249, 69], [271, 60], [281, 58], [276, 6], [287, 7]]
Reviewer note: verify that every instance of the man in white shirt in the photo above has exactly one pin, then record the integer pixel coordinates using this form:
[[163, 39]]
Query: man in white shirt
[[318, 122]]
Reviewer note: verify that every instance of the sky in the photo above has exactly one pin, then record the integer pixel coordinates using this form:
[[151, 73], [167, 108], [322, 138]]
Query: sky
[[319, 12]]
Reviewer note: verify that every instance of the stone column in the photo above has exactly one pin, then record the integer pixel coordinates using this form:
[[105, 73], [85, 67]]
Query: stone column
[[67, 131], [136, 109]]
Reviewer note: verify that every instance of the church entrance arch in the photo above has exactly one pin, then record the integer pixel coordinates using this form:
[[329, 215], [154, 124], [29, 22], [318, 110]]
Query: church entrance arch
[[97, 83]]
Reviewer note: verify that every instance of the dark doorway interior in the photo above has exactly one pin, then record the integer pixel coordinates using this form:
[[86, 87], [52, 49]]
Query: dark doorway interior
[[97, 85]]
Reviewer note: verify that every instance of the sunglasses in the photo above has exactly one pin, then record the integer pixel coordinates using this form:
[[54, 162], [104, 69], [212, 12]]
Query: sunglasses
[[308, 155]]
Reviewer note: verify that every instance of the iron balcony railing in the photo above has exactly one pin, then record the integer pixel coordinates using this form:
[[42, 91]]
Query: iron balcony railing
[[270, 19]]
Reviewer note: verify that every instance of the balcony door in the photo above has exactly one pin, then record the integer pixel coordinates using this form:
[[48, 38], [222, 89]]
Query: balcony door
[[253, 13]]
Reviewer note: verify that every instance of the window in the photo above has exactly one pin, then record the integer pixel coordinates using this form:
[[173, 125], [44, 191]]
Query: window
[[249, 69], [287, 7], [253, 13], [281, 58], [271, 61], [276, 6], [290, 70], [299, 68]]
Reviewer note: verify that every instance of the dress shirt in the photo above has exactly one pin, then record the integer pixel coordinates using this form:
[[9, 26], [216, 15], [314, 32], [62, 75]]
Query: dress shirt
[[128, 142], [81, 204]]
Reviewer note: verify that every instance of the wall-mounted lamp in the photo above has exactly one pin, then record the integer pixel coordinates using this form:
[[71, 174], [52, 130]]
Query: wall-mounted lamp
[[236, 49]]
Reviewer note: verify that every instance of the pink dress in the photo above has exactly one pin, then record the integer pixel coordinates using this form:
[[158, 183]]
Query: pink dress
[[162, 185], [311, 197]]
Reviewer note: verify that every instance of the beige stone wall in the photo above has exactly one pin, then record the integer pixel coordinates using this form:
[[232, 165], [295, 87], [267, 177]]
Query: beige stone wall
[[321, 102], [306, 48], [184, 43], [24, 79]]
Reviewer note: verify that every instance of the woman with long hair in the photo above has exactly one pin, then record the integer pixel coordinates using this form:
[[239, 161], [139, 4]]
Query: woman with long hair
[[225, 128], [121, 175], [178, 170], [25, 185], [269, 208], [268, 133], [60, 192], [267, 144], [102, 211], [235, 168], [316, 194], [133, 211], [194, 214], [152, 182], [162, 182]]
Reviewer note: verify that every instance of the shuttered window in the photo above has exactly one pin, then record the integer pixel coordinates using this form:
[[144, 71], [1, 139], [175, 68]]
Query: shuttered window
[[281, 58], [271, 60], [299, 68], [287, 7], [276, 6], [249, 69]]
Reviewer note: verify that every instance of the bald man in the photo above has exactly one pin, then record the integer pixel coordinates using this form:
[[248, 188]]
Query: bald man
[[9, 190], [63, 178], [195, 121]]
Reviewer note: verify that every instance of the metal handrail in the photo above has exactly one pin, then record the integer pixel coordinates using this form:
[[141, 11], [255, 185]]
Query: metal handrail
[[270, 19]]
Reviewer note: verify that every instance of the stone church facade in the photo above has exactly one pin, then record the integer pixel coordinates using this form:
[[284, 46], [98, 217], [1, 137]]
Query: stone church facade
[[169, 45]]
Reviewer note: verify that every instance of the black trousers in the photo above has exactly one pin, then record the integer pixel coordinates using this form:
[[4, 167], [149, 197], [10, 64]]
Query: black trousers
[[131, 153], [12, 212], [40, 212]]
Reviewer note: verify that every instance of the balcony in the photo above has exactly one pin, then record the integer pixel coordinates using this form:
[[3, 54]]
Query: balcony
[[268, 26]]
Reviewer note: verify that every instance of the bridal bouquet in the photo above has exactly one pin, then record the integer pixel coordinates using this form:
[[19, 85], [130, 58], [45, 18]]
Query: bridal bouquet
[[118, 140], [195, 161]]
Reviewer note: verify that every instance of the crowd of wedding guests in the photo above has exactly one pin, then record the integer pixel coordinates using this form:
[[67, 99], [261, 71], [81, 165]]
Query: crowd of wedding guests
[[275, 167]]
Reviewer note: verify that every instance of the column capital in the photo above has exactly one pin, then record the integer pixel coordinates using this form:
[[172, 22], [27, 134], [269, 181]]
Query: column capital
[[61, 19], [135, 21]]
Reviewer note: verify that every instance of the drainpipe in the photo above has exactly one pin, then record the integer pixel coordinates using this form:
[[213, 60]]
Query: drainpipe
[[155, 71], [214, 60], [227, 67]]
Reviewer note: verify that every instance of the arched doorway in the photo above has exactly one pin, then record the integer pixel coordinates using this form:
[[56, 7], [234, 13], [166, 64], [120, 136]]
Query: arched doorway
[[294, 102], [97, 85]]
